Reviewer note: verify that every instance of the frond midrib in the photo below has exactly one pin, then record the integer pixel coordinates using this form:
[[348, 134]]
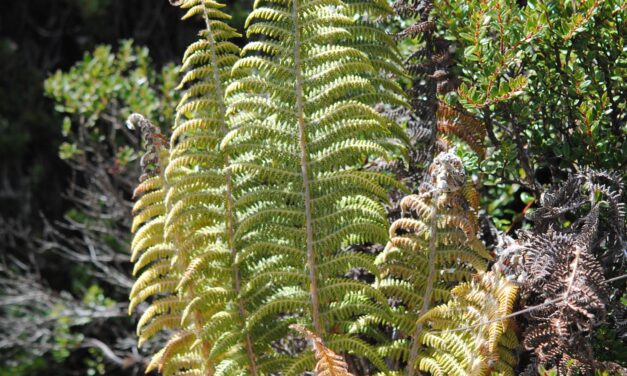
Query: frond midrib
[[304, 164]]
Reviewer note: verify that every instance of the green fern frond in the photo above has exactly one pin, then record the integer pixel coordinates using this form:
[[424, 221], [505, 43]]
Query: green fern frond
[[303, 123], [370, 38], [470, 335], [197, 217], [431, 248], [201, 211]]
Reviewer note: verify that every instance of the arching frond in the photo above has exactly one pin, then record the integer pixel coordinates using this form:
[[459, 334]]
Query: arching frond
[[433, 247]]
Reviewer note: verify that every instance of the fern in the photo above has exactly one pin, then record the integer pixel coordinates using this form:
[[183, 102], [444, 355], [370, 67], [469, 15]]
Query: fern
[[557, 334], [435, 246], [253, 220], [328, 362], [201, 201], [468, 335], [199, 218], [581, 219], [302, 124], [151, 253]]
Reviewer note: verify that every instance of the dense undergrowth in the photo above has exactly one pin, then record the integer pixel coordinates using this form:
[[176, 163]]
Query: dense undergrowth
[[424, 187]]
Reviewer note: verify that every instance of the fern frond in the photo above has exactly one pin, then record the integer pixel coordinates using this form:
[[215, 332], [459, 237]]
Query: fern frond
[[198, 217], [437, 235], [467, 335], [369, 37], [303, 124], [560, 266]]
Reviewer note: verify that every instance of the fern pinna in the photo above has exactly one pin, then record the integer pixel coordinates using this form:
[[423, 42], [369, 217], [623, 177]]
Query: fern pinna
[[302, 122], [432, 247]]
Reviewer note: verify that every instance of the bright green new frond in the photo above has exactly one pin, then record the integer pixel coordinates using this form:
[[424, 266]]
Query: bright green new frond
[[335, 290]]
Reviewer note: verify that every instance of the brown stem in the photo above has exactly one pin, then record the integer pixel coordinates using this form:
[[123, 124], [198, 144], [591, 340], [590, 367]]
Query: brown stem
[[304, 165], [426, 298]]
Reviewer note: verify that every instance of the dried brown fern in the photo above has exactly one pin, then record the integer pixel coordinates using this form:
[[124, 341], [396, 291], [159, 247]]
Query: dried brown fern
[[561, 266], [577, 242], [455, 122], [577, 198], [328, 363]]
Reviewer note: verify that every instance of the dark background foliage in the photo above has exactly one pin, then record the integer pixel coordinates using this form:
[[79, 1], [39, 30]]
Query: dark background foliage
[[56, 309], [38, 37]]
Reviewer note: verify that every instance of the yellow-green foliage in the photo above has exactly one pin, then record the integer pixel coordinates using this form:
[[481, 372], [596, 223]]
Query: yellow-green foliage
[[246, 224], [196, 219], [433, 247], [151, 253], [262, 195], [466, 336], [302, 125], [152, 256], [200, 219]]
